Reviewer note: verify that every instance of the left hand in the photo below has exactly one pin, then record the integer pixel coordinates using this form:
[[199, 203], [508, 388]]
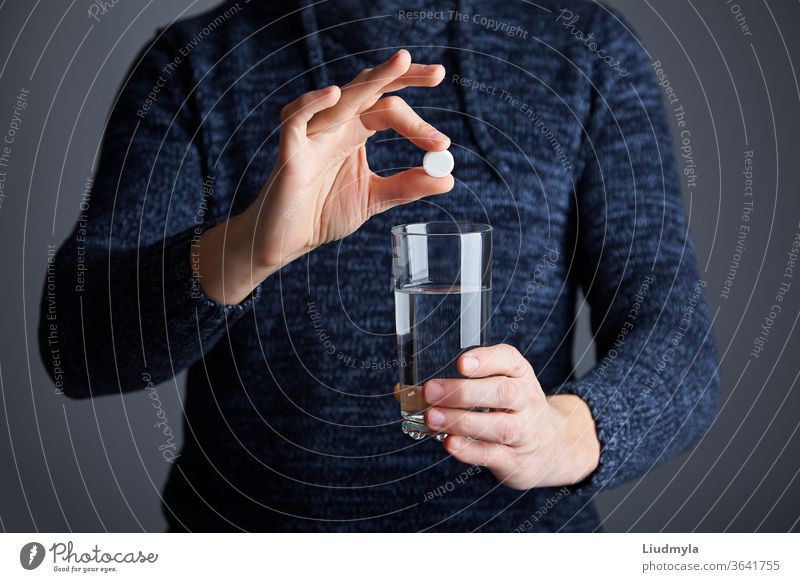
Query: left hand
[[529, 439]]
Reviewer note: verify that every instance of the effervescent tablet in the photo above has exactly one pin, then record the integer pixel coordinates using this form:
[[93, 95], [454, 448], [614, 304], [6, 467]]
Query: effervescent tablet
[[438, 164]]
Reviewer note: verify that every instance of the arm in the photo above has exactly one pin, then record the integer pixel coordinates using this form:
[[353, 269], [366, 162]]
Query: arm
[[654, 390], [126, 300], [154, 289]]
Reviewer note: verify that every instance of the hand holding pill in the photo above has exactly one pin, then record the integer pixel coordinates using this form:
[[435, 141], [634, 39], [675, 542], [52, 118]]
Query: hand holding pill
[[321, 188]]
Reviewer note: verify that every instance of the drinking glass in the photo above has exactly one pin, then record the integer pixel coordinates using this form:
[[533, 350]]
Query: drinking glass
[[442, 282]]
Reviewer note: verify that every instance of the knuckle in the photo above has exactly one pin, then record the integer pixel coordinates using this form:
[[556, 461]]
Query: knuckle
[[362, 77], [466, 424], [507, 394], [518, 361], [286, 111], [509, 432], [423, 128], [394, 102], [463, 395], [291, 131]]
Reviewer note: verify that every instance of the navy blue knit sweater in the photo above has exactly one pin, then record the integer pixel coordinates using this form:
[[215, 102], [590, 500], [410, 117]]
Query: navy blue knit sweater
[[561, 143]]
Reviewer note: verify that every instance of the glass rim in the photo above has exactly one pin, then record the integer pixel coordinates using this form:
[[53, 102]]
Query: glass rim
[[460, 228]]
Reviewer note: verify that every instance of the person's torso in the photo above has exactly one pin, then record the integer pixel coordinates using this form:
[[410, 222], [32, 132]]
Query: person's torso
[[290, 419]]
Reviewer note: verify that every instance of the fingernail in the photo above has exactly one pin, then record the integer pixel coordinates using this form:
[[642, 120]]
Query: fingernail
[[433, 391], [435, 419], [470, 364]]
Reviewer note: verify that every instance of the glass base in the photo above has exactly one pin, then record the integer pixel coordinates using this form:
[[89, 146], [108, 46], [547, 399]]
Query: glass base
[[414, 426]]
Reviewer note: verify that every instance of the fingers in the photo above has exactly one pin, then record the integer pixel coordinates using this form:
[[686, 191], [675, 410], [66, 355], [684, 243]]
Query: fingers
[[296, 115], [302, 109], [396, 391], [496, 427], [493, 392], [389, 191], [481, 453], [366, 84], [499, 360], [417, 76], [392, 112]]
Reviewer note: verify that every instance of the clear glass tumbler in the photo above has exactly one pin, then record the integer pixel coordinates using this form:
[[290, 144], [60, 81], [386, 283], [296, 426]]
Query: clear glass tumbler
[[442, 281]]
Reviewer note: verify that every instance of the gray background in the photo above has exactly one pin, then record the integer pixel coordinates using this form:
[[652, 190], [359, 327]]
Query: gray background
[[95, 465]]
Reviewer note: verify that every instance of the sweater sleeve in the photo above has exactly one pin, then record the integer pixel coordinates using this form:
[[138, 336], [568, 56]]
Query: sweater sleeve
[[123, 306], [654, 390]]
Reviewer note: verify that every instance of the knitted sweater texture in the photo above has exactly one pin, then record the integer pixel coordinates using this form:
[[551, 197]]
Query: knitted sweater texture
[[561, 143]]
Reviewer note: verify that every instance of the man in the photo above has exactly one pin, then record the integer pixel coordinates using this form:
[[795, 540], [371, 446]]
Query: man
[[238, 229]]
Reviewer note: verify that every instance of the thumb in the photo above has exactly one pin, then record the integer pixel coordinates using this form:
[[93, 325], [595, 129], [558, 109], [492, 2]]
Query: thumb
[[389, 191]]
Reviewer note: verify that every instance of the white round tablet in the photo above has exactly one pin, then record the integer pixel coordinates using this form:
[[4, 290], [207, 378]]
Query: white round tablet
[[438, 164]]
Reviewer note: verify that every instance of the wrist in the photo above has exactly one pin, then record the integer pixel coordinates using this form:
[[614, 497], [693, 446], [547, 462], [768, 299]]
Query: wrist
[[270, 236], [579, 435], [226, 269]]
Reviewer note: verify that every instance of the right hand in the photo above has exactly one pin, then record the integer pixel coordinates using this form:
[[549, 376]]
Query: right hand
[[321, 188]]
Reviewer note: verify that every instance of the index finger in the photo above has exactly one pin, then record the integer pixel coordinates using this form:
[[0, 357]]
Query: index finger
[[418, 75], [499, 360], [361, 89], [496, 392], [393, 112]]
